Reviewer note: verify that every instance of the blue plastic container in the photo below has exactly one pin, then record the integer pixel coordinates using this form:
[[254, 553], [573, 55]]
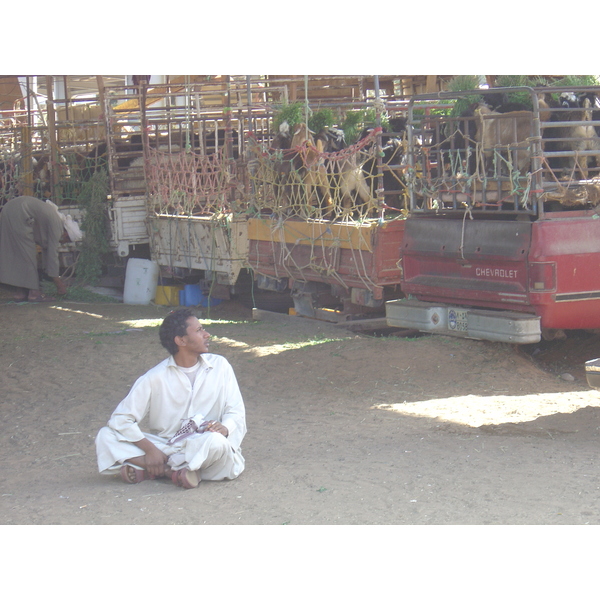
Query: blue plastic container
[[192, 295]]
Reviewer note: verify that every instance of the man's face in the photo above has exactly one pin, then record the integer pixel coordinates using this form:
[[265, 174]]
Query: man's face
[[196, 337]]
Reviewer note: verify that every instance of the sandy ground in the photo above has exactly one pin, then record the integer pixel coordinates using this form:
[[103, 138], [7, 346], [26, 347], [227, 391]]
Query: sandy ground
[[342, 428]]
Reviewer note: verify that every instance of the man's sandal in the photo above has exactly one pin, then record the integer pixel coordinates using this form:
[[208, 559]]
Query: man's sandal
[[39, 297], [130, 474], [186, 479]]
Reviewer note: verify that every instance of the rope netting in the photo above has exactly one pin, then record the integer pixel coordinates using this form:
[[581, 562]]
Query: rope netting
[[317, 206], [317, 252], [309, 183], [186, 183], [456, 170]]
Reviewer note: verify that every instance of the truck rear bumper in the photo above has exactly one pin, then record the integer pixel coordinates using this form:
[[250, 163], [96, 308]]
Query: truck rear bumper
[[495, 326]]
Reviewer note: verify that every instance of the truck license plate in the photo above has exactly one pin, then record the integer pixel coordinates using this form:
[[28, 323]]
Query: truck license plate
[[457, 319]]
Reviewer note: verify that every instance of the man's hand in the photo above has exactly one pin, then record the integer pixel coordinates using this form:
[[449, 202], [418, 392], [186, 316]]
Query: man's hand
[[155, 460], [217, 428]]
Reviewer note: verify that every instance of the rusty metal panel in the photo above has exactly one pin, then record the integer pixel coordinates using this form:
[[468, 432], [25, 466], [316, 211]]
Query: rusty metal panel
[[468, 261], [338, 264]]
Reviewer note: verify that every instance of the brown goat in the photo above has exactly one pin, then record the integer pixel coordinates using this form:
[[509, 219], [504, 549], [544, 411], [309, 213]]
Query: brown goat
[[308, 162], [504, 131]]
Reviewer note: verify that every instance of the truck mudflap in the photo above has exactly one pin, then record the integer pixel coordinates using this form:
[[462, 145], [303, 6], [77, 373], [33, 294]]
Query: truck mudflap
[[474, 323]]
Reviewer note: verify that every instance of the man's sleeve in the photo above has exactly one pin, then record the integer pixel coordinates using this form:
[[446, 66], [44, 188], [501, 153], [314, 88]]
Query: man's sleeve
[[234, 416], [131, 410]]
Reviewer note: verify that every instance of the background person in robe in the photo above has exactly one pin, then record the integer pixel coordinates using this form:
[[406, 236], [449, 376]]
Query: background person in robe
[[190, 384], [24, 222]]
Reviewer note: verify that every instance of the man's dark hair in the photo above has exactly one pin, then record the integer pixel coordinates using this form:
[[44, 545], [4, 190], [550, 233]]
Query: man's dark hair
[[174, 324]]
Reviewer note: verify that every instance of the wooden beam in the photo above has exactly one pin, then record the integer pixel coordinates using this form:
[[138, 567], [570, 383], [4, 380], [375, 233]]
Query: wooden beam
[[54, 186], [27, 185], [431, 84]]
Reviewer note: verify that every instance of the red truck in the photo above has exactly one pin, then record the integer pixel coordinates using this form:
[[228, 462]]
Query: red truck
[[502, 241]]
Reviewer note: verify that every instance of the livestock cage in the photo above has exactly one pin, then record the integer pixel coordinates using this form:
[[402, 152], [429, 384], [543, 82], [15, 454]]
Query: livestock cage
[[329, 216], [197, 172], [223, 166], [504, 151], [501, 242], [178, 150]]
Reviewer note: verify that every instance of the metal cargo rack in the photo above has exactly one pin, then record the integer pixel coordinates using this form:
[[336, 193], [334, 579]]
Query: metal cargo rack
[[451, 171], [198, 118], [164, 142], [47, 154]]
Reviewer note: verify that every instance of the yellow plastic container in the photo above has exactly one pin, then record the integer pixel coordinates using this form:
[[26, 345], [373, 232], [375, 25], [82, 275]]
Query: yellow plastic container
[[168, 295]]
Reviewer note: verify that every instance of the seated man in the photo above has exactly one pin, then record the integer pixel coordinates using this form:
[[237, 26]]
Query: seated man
[[194, 409]]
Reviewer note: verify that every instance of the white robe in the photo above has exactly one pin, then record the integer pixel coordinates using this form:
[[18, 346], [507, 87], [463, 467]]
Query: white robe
[[166, 398]]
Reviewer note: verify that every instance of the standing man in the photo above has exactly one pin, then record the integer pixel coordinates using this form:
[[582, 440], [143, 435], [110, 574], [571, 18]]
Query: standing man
[[195, 412], [24, 222]]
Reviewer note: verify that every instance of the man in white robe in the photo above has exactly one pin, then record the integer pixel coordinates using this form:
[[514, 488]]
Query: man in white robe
[[190, 384]]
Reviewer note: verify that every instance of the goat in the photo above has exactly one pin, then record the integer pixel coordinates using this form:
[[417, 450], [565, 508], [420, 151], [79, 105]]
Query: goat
[[576, 138], [547, 106], [456, 146], [308, 163], [42, 172], [508, 131], [283, 139], [354, 186], [281, 163], [391, 161], [348, 178], [126, 150], [464, 134]]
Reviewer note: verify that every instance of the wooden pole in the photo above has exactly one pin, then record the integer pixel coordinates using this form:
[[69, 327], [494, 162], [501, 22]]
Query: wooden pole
[[431, 85], [66, 86], [55, 191], [27, 164], [380, 196], [29, 117], [100, 82]]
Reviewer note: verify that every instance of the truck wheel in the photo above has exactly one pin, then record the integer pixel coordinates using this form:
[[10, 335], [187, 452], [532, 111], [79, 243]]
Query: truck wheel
[[553, 334], [265, 300]]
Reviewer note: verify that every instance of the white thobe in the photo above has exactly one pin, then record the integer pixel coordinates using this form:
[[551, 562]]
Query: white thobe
[[165, 396]]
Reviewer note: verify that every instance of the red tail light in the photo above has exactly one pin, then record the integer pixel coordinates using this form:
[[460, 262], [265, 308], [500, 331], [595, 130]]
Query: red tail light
[[542, 277]]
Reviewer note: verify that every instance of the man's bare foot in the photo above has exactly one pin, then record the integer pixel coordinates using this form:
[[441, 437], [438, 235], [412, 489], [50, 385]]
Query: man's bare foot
[[20, 294], [130, 474], [186, 479]]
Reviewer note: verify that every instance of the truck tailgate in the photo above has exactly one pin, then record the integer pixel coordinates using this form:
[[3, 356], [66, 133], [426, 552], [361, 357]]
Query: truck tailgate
[[482, 263]]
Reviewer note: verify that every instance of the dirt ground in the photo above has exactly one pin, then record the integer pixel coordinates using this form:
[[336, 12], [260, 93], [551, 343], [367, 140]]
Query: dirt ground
[[343, 428]]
